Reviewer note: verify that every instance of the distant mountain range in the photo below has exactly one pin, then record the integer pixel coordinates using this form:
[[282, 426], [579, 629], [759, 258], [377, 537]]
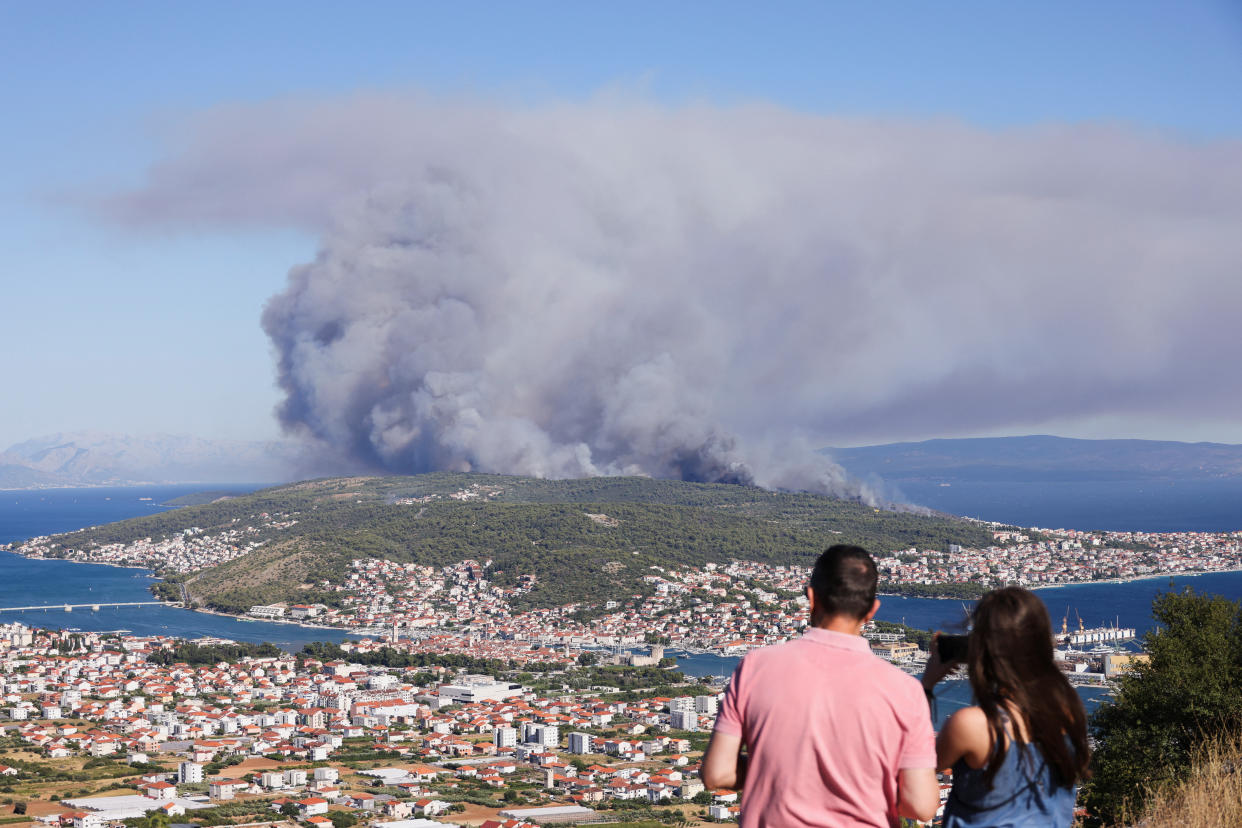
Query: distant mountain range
[[101, 459], [1041, 458]]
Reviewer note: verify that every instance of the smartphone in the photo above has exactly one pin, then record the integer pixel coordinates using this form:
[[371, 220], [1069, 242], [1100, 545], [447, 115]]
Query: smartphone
[[952, 647]]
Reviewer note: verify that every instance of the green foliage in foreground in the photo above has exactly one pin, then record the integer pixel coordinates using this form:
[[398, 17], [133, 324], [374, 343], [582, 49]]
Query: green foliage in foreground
[[1190, 691]]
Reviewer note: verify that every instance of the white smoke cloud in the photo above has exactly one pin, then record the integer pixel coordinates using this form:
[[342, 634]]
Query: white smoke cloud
[[616, 287]]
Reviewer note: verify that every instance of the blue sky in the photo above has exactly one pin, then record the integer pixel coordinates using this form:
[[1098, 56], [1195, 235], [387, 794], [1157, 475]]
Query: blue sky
[[153, 328]]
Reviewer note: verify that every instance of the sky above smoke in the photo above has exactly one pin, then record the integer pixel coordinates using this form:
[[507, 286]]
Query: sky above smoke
[[708, 292]]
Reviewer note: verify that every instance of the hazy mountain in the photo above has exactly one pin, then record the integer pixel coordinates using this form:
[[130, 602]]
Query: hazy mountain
[[94, 458], [1041, 457]]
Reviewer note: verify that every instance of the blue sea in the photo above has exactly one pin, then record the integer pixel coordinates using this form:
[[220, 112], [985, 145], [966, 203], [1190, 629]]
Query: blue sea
[[1120, 505]]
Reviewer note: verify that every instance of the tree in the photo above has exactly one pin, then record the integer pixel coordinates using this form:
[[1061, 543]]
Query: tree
[[340, 819], [588, 659], [290, 810], [155, 819], [1189, 690]]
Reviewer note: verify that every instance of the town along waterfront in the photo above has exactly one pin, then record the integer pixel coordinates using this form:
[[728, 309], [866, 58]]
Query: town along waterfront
[[25, 582]]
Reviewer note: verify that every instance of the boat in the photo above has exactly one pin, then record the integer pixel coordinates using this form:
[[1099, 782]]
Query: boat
[[1098, 636]]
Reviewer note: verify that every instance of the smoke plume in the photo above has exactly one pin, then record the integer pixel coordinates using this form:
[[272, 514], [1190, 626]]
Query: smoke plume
[[707, 292]]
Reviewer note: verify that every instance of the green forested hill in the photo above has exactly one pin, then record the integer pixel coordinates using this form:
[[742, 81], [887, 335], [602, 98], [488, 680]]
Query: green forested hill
[[524, 526]]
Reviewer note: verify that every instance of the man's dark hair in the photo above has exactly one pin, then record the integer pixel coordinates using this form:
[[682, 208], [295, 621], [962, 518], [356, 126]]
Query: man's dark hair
[[844, 581]]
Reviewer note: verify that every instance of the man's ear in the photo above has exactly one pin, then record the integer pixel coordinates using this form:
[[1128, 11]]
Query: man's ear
[[810, 596], [875, 606]]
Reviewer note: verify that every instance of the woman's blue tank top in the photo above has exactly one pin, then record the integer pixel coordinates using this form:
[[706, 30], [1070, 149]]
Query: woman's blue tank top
[[1024, 794]]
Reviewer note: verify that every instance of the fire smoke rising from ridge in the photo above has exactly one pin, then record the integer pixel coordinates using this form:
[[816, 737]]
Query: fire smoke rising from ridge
[[616, 288], [433, 336]]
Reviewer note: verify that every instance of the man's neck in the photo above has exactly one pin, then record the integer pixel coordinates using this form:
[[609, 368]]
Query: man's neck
[[842, 624]]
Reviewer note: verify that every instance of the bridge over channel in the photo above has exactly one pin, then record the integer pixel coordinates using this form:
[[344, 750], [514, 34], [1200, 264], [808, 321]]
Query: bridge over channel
[[72, 607]]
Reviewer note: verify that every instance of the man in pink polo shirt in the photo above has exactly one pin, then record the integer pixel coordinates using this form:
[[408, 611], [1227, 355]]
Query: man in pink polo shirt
[[835, 735]]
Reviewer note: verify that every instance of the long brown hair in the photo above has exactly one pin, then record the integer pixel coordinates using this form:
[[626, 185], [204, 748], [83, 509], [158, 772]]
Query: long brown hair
[[1011, 665]]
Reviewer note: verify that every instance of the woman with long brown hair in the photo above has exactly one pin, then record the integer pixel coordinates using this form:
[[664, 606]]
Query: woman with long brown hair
[[1019, 753]]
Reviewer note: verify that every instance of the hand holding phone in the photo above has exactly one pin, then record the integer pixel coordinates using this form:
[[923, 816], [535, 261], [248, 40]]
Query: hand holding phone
[[952, 648]]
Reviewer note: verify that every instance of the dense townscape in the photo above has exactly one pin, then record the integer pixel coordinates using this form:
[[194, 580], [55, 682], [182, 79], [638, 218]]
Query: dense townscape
[[260, 738]]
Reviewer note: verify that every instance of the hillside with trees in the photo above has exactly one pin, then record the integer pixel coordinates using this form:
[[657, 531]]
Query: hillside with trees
[[582, 539]]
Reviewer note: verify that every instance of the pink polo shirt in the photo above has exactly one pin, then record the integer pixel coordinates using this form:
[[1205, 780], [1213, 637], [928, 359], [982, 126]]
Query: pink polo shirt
[[828, 725]]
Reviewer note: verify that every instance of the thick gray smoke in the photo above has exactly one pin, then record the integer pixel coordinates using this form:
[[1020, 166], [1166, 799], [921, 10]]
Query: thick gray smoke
[[614, 288], [508, 326]]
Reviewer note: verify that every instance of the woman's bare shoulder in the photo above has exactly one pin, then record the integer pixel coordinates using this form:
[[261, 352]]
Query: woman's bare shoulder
[[969, 718], [964, 736]]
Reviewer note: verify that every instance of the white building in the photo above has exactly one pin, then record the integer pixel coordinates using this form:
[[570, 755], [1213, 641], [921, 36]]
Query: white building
[[382, 681], [553, 813], [706, 705], [189, 773], [504, 737], [312, 806], [541, 735], [477, 688], [683, 720], [579, 743], [684, 704]]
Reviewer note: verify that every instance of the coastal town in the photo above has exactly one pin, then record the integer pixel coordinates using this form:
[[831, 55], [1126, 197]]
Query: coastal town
[[103, 728], [457, 709], [456, 700]]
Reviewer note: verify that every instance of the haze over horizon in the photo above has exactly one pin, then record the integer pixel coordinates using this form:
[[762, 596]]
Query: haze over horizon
[[543, 258]]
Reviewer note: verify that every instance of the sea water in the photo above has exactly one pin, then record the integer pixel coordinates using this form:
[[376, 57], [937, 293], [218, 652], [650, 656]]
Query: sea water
[[1118, 505]]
